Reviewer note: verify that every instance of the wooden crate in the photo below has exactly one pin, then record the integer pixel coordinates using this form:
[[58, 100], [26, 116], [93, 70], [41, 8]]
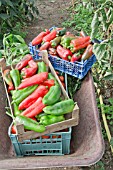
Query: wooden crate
[[72, 119]]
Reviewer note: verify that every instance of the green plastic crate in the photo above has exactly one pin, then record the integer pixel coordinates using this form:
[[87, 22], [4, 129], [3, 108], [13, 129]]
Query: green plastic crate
[[57, 143]]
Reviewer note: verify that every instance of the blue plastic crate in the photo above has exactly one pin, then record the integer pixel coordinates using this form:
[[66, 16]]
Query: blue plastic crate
[[57, 143], [76, 69]]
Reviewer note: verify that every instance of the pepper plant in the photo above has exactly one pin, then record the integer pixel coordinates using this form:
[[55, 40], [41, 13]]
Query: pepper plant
[[103, 22], [15, 12]]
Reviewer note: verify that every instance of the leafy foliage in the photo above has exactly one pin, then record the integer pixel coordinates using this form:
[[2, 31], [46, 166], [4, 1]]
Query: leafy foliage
[[103, 22], [14, 48], [14, 12], [108, 110], [74, 84]]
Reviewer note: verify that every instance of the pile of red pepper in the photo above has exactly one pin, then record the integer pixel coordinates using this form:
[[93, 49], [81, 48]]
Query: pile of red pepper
[[36, 95], [59, 42]]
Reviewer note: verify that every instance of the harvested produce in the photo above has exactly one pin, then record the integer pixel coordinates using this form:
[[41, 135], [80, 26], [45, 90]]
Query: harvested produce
[[45, 46], [64, 45], [37, 40], [42, 67], [39, 92], [8, 79], [65, 54], [51, 119], [34, 109], [75, 57], [52, 96], [50, 36], [55, 42], [60, 108], [20, 95], [35, 93], [16, 109], [36, 79], [88, 52], [30, 124], [29, 71], [14, 73], [24, 62]]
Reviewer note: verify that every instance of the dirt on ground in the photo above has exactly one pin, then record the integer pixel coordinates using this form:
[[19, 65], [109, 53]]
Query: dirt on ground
[[51, 13]]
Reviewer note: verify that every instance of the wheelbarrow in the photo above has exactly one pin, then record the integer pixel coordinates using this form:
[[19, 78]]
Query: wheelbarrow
[[87, 144]]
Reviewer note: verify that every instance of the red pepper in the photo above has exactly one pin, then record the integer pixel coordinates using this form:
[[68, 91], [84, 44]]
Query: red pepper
[[61, 78], [49, 83], [88, 52], [39, 92], [32, 64], [30, 71], [37, 40], [79, 47], [83, 34], [24, 62], [75, 57], [64, 53], [8, 80], [45, 46], [13, 129], [36, 79], [79, 41], [34, 109], [50, 36]]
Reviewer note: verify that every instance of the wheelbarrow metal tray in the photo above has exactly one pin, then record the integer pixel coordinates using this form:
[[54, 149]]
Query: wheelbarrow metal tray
[[87, 146]]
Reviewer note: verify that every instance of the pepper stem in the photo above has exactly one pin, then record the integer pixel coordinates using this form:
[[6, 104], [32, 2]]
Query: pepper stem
[[69, 57], [9, 114]]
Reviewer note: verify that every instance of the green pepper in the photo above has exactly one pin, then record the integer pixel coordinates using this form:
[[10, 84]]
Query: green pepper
[[40, 115], [51, 119], [66, 39], [61, 32], [52, 96], [60, 108], [30, 124], [42, 67], [17, 93], [15, 75], [50, 76], [22, 94], [55, 42], [16, 110]]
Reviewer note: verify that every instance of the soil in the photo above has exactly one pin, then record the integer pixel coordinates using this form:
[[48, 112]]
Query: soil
[[53, 13]]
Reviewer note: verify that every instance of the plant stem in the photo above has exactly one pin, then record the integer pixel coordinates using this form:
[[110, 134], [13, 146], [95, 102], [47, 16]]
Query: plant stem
[[104, 119]]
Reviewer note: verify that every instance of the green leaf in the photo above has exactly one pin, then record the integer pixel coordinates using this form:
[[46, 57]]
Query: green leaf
[[30, 16], [108, 76], [99, 50], [94, 25], [111, 17], [9, 3], [0, 55], [4, 16], [104, 19], [111, 46], [20, 39], [111, 141]]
